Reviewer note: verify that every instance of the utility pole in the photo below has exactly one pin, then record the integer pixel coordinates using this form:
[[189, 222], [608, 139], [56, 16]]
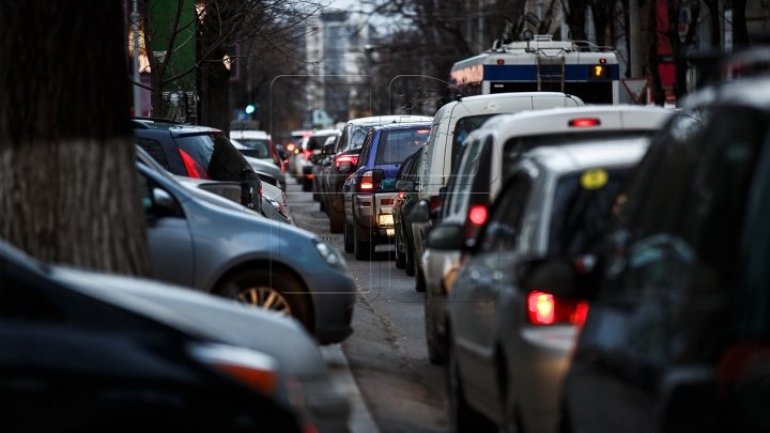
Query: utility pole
[[634, 39]]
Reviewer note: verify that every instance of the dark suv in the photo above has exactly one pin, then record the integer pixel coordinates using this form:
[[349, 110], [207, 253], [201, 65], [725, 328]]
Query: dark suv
[[369, 193], [199, 152], [678, 332]]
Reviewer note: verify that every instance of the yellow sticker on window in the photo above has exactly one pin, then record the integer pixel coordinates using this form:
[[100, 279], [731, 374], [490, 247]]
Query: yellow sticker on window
[[594, 178]]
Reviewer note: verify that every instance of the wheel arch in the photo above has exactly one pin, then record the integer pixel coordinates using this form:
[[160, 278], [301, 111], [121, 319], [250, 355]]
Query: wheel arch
[[272, 266]]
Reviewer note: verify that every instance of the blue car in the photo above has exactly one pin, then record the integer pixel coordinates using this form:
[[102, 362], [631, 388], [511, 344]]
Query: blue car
[[369, 193]]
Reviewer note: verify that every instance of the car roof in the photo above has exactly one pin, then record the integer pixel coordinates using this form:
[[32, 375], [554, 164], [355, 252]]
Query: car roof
[[748, 92], [393, 118], [557, 120], [176, 129], [405, 125], [568, 158], [480, 100]]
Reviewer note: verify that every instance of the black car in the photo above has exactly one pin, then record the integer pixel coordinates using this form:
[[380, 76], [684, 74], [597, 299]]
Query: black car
[[72, 362], [198, 152], [678, 332]]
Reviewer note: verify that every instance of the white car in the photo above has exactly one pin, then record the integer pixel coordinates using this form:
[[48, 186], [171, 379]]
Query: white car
[[484, 165]]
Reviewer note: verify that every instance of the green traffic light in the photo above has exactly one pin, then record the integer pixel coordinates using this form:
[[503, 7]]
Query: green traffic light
[[250, 109]]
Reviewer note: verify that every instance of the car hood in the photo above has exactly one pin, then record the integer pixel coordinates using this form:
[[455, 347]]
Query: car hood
[[204, 316]]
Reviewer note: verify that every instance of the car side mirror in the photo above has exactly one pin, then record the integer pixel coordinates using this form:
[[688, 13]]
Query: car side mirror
[[405, 186], [163, 205], [446, 237]]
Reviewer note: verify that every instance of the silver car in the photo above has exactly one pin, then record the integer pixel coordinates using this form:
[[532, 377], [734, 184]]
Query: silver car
[[508, 346], [200, 240]]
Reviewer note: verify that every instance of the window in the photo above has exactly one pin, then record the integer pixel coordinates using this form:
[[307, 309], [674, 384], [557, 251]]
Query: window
[[198, 147], [365, 148], [580, 211], [396, 144], [154, 149], [469, 167], [504, 227], [259, 148], [463, 128]]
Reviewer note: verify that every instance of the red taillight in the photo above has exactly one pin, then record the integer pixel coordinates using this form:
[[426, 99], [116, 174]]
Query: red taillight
[[584, 122], [435, 204], [545, 309], [352, 159], [367, 181], [478, 214]]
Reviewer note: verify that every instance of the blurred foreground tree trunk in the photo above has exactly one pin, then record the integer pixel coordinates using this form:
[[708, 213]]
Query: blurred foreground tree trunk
[[68, 191]]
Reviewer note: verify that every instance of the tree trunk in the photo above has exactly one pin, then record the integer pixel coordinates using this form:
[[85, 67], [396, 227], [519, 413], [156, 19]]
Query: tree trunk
[[68, 191]]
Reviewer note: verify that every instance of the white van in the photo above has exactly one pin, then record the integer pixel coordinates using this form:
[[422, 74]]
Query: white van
[[452, 124]]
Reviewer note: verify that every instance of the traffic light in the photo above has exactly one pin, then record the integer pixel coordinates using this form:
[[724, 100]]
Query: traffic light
[[250, 109]]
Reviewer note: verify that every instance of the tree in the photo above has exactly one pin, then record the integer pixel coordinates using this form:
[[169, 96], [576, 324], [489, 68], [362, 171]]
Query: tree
[[68, 190]]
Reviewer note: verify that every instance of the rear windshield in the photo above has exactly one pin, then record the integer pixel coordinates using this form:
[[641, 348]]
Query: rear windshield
[[582, 206], [463, 128], [199, 147], [517, 145], [259, 147], [356, 136], [397, 144]]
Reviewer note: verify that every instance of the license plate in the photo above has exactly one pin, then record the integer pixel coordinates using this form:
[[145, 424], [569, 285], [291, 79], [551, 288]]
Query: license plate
[[385, 220], [390, 232]]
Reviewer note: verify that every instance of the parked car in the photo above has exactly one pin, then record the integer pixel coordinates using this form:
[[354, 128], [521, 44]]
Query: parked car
[[368, 201], [198, 152], [345, 160], [274, 204], [80, 354], [257, 144], [321, 163], [206, 242], [508, 344], [676, 338], [485, 163], [452, 124], [406, 198], [307, 150], [268, 172]]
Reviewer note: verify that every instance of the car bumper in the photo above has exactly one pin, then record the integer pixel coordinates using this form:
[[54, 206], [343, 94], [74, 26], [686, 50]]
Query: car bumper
[[374, 215], [333, 301]]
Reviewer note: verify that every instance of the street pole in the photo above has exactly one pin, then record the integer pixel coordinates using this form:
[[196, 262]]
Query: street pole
[[634, 39], [135, 55]]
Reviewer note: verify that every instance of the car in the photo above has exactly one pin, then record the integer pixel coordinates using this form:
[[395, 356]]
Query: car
[[345, 160], [305, 154], [452, 124], [368, 201], [676, 337], [256, 144], [274, 204], [484, 163], [402, 211], [321, 164], [208, 243], [268, 172], [80, 355], [508, 344], [197, 152]]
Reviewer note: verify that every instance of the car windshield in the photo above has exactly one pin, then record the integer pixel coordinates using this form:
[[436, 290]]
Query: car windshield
[[258, 147], [581, 209], [198, 147], [396, 145]]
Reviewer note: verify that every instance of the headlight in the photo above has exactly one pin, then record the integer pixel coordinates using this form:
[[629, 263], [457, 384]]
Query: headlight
[[331, 255]]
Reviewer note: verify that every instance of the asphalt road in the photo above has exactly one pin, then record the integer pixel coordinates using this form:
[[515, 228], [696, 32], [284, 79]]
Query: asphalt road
[[386, 353]]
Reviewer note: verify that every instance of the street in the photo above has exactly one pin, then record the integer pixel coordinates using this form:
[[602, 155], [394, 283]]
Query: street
[[386, 352]]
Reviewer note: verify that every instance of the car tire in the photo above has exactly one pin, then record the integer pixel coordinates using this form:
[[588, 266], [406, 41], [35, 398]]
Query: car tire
[[462, 417], [347, 238], [419, 279], [336, 219], [273, 290], [435, 346], [409, 264], [399, 261], [362, 249]]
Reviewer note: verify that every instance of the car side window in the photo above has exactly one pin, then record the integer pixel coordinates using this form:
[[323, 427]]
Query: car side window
[[505, 224], [365, 149], [154, 149]]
